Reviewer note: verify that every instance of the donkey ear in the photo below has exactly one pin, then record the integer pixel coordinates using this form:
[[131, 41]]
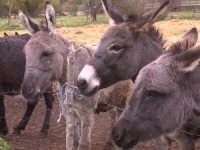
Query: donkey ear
[[188, 40], [114, 17], [189, 60], [151, 17], [189, 37], [27, 23], [50, 17]]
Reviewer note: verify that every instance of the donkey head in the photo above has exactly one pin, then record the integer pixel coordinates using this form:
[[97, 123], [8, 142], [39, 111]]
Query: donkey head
[[161, 101], [44, 55], [123, 50]]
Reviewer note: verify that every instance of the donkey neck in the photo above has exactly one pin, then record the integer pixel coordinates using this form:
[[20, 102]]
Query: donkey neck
[[82, 56], [151, 48]]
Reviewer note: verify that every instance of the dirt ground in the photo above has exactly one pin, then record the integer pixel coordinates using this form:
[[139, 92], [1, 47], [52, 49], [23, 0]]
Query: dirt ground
[[55, 140]]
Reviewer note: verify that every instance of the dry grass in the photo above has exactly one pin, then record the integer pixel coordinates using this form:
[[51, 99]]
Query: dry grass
[[89, 34]]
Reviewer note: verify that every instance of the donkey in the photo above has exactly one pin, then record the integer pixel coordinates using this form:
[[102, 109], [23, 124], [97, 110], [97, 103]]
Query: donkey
[[129, 44], [165, 96], [134, 39], [12, 66], [46, 61]]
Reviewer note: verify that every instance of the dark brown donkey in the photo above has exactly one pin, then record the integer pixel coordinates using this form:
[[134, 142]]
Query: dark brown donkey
[[123, 51], [12, 66]]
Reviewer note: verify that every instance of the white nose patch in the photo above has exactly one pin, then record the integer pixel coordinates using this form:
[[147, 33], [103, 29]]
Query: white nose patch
[[89, 75]]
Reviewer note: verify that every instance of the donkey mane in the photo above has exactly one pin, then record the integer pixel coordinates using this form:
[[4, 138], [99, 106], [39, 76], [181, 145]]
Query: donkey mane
[[156, 36], [153, 33], [179, 47], [130, 18]]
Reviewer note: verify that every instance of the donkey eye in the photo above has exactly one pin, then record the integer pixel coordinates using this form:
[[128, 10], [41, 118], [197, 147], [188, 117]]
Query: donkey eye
[[115, 48], [153, 94], [45, 54]]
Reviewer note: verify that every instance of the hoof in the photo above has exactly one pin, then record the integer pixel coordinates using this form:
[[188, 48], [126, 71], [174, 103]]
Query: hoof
[[43, 134], [3, 137], [84, 147], [16, 132]]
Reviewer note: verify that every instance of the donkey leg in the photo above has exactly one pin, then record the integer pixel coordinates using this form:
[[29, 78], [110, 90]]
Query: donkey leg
[[22, 124], [49, 104], [3, 123], [186, 141], [76, 131], [162, 143], [109, 141], [87, 122]]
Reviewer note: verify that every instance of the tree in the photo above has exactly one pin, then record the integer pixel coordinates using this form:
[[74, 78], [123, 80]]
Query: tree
[[9, 12], [94, 6]]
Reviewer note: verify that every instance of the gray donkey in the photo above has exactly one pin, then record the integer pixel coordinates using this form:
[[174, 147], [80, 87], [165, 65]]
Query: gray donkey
[[46, 61], [165, 96], [124, 49]]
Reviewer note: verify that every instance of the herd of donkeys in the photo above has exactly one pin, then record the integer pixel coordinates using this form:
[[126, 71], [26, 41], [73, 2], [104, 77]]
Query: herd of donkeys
[[162, 105]]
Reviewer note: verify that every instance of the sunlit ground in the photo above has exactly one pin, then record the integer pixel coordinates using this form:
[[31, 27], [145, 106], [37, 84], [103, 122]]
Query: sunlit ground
[[171, 29]]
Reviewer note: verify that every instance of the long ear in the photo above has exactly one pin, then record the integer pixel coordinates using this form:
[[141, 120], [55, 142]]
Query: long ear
[[50, 17], [188, 40], [189, 60], [114, 17], [27, 23], [151, 17], [5, 34], [190, 37]]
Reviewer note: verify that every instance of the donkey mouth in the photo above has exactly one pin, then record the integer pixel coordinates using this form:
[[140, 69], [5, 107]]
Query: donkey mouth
[[130, 144], [94, 91]]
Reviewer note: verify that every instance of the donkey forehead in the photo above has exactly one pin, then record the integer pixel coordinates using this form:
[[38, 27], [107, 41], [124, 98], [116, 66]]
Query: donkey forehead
[[118, 32], [155, 76], [41, 41]]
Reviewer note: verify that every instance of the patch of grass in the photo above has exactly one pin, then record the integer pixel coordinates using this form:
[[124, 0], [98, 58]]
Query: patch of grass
[[4, 145], [61, 21], [183, 15]]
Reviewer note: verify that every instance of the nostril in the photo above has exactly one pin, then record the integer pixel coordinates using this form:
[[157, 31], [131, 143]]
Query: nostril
[[30, 90], [27, 89], [116, 135], [82, 84]]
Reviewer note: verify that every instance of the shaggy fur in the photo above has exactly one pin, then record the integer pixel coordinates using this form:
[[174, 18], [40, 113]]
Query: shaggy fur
[[12, 66]]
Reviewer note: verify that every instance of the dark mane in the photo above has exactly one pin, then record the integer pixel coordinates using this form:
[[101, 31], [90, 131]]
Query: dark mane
[[156, 36], [179, 47], [131, 18]]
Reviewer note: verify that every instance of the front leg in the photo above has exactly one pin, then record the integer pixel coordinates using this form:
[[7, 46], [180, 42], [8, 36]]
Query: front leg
[[22, 124], [162, 143], [49, 104], [3, 123], [87, 122]]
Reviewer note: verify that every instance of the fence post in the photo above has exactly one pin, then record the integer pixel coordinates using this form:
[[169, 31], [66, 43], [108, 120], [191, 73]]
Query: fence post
[[69, 105]]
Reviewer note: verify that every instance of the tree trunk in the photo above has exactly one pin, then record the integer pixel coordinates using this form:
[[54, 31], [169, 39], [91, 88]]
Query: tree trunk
[[9, 11], [92, 11]]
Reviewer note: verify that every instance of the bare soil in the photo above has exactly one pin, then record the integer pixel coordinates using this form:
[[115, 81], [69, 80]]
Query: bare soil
[[55, 140]]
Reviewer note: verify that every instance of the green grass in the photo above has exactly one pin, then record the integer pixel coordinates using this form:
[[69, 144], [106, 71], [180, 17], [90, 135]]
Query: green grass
[[61, 21], [4, 145], [182, 15], [78, 21]]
